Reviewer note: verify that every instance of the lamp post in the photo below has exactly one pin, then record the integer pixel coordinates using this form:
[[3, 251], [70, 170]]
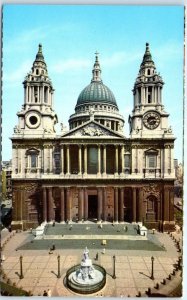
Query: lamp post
[[114, 267], [152, 268], [21, 267], [58, 258]]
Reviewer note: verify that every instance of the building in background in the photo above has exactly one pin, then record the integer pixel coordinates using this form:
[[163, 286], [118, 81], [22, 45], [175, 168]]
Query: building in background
[[92, 171], [6, 180]]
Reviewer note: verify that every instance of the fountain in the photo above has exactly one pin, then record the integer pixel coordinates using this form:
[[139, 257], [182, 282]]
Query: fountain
[[86, 278]]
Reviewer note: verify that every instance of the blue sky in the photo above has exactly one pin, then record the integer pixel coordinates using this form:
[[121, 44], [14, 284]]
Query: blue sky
[[71, 34]]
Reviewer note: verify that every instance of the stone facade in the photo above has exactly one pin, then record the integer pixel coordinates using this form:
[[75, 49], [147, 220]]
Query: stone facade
[[93, 171]]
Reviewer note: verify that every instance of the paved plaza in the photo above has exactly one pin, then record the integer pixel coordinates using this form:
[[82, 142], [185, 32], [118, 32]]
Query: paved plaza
[[133, 265]]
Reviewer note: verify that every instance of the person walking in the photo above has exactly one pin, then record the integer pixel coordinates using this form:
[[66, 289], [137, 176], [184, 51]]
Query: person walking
[[45, 293], [49, 293]]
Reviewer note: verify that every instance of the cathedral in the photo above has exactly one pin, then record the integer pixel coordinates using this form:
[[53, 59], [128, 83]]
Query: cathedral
[[92, 171]]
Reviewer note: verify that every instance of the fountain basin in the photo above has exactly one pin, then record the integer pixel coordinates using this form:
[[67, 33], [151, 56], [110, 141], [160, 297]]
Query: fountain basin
[[90, 286]]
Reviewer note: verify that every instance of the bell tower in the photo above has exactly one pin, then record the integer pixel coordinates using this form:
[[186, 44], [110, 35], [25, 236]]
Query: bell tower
[[37, 116], [148, 115]]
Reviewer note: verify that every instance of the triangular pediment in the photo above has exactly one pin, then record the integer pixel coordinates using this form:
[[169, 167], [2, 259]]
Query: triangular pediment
[[92, 129]]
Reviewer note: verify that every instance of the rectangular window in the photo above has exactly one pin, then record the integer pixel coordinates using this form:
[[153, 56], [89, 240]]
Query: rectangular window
[[92, 160], [127, 161], [151, 161], [33, 161]]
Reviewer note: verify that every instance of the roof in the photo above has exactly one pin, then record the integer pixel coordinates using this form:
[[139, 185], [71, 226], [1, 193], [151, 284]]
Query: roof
[[97, 92]]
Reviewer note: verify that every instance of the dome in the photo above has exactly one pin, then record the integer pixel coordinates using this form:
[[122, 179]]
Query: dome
[[96, 91]]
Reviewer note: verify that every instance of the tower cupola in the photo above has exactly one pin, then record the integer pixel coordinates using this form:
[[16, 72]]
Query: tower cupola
[[148, 112], [37, 114], [148, 85]]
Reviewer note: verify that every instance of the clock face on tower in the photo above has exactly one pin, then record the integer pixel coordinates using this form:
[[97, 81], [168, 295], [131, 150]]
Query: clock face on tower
[[151, 120]]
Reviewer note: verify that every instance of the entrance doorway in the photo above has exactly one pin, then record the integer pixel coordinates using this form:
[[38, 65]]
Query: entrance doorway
[[92, 206]]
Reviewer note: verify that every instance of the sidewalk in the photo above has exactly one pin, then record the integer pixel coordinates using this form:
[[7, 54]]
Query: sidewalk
[[133, 268]]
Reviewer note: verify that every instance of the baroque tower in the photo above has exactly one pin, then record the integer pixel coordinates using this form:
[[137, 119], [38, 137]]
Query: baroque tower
[[37, 116], [148, 115]]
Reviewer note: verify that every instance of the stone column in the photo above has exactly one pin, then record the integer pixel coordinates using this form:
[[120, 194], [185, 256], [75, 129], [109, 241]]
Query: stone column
[[62, 160], [121, 204], [80, 204], [68, 204], [99, 206], [38, 93], [68, 160], [80, 159], [48, 100], [51, 159], [22, 161], [116, 159], [50, 205], [140, 206], [43, 94], [85, 160], [44, 205], [25, 97], [171, 204], [32, 94], [104, 204], [85, 204], [166, 204], [142, 97], [134, 204], [159, 94], [99, 160], [104, 159], [122, 159], [146, 94], [62, 217], [116, 204], [153, 94]]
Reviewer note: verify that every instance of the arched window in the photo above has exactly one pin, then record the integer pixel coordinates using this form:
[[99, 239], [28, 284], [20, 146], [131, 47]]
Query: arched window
[[37, 72], [32, 158], [148, 72], [151, 159]]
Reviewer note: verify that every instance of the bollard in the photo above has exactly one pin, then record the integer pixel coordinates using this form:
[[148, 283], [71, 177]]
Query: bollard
[[157, 286], [21, 267], [149, 291], [114, 267], [164, 281]]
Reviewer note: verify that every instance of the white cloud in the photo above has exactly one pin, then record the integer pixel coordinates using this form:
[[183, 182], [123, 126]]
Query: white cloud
[[24, 40], [119, 58], [18, 74], [71, 64]]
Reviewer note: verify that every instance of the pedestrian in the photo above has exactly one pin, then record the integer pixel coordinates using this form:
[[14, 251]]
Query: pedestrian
[[97, 255], [45, 293], [49, 293]]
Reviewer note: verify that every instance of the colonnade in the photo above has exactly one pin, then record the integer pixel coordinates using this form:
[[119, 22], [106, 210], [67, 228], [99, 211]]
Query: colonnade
[[83, 194], [83, 164], [43, 93], [141, 97]]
